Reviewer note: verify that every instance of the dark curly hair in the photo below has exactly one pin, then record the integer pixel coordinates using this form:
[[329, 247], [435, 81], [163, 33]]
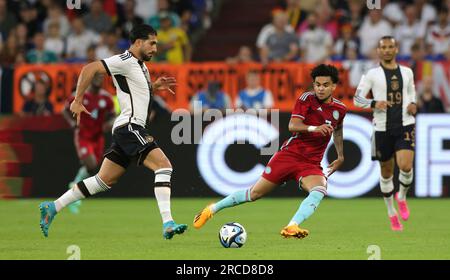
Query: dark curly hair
[[141, 31], [324, 70]]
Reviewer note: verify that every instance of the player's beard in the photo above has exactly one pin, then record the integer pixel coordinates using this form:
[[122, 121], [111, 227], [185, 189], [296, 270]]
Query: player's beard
[[146, 57]]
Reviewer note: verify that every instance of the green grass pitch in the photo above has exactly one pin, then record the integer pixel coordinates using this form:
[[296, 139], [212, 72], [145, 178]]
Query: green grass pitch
[[131, 229]]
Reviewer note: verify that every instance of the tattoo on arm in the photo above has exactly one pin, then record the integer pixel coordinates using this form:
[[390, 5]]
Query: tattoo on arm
[[338, 138]]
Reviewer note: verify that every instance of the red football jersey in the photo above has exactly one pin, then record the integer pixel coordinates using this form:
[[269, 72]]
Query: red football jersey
[[311, 145], [100, 106]]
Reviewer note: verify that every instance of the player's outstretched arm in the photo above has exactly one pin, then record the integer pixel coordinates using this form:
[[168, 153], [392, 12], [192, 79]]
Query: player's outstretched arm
[[297, 125], [84, 80], [338, 139], [164, 83]]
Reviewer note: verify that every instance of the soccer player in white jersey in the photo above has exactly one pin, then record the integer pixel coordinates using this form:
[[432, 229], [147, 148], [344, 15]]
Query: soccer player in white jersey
[[394, 107], [131, 140]]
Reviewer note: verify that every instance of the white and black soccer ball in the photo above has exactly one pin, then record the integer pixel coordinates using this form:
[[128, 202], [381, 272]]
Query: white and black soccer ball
[[232, 235]]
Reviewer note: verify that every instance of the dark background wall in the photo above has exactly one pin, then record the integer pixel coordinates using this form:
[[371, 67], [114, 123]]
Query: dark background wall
[[55, 164]]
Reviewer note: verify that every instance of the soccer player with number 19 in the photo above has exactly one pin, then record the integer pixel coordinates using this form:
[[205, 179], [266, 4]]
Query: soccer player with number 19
[[315, 117]]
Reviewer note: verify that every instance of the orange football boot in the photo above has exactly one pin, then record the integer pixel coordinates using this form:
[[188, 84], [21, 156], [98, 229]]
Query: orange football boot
[[201, 218], [294, 231]]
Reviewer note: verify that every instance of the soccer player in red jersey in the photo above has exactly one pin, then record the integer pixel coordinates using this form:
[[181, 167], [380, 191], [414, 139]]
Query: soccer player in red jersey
[[88, 135], [315, 117]]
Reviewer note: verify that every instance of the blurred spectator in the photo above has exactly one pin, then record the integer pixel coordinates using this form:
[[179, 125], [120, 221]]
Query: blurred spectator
[[417, 57], [28, 16], [447, 55], [212, 98], [163, 6], [38, 54], [355, 14], [146, 8], [316, 43], [325, 19], [295, 13], [10, 50], [281, 45], [373, 28], [346, 42], [254, 96], [97, 20], [278, 18], [7, 19], [128, 18], [438, 37], [310, 5], [54, 41], [91, 54], [428, 102], [108, 46], [245, 55], [174, 43], [392, 11], [55, 14], [21, 33], [80, 39], [357, 67], [409, 32], [426, 12], [193, 14], [110, 8], [39, 105]]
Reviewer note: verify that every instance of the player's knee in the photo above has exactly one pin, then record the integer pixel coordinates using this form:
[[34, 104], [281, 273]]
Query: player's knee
[[163, 163], [405, 166], [386, 170]]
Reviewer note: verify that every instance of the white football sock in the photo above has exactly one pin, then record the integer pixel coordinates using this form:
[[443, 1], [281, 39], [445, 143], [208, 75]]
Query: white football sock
[[83, 189], [72, 195], [162, 195], [162, 192], [387, 188], [405, 179]]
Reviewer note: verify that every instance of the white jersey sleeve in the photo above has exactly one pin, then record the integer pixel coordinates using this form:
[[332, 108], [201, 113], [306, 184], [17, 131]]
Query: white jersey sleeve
[[365, 85], [116, 65], [411, 89]]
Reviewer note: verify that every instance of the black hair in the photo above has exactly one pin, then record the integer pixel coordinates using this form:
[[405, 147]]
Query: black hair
[[387, 37], [141, 31], [324, 70]]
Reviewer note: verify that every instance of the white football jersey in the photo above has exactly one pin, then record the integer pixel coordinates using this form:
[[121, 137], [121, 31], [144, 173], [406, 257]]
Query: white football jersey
[[133, 87], [375, 80]]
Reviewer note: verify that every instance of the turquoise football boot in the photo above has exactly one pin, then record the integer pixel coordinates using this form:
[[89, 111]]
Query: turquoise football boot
[[48, 213], [171, 228]]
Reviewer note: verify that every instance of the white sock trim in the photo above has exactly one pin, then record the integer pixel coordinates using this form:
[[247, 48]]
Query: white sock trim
[[320, 189], [95, 185], [386, 185], [405, 177], [163, 175]]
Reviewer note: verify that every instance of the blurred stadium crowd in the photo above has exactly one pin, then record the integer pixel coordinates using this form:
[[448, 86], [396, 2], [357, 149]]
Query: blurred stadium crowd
[[46, 31], [311, 31], [314, 31]]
